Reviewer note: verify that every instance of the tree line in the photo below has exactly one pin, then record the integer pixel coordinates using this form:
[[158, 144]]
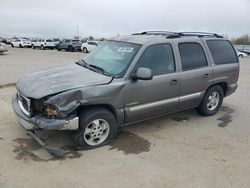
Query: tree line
[[243, 40]]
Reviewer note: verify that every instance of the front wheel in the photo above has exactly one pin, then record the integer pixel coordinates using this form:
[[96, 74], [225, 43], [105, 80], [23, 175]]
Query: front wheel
[[42, 47], [212, 101], [98, 127]]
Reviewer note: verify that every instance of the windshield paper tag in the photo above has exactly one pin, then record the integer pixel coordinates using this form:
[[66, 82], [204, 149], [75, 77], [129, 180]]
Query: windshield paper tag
[[125, 49]]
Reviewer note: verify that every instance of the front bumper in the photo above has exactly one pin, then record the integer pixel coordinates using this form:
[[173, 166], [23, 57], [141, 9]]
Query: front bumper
[[77, 47], [26, 45], [38, 122]]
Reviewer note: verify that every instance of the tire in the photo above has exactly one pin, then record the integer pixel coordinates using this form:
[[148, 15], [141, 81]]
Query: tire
[[241, 56], [212, 101], [12, 45], [20, 46], [85, 50], [70, 49], [42, 47], [32, 46], [90, 133]]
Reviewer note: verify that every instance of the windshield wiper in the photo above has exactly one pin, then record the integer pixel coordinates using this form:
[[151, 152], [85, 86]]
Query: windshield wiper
[[93, 68], [82, 63], [100, 70]]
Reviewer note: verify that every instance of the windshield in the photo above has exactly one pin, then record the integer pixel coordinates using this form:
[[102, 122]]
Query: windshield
[[112, 56]]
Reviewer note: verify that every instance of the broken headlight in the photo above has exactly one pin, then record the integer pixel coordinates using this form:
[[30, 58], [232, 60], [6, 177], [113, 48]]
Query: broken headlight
[[42, 109], [51, 111]]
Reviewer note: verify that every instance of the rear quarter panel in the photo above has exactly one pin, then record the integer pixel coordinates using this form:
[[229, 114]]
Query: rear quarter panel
[[228, 73]]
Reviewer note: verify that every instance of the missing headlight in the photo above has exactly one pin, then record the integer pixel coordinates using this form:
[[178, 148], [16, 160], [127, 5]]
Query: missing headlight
[[51, 112]]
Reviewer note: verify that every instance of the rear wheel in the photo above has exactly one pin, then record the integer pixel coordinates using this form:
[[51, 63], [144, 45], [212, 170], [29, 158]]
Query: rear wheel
[[85, 50], [212, 101], [70, 49], [20, 46], [98, 127], [12, 45], [32, 46], [241, 56], [42, 47]]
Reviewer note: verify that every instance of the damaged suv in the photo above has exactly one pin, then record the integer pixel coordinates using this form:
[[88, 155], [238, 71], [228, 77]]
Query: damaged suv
[[127, 79]]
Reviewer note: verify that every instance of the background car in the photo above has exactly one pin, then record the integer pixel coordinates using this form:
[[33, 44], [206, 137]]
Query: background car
[[56, 42], [241, 54], [70, 45], [89, 46], [3, 40], [33, 42], [3, 47], [21, 43], [43, 44]]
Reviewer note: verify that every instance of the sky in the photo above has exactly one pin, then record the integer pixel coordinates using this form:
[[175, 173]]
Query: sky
[[107, 18]]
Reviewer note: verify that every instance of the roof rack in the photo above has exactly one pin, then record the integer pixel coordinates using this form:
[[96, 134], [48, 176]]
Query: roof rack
[[155, 33], [198, 34], [169, 34]]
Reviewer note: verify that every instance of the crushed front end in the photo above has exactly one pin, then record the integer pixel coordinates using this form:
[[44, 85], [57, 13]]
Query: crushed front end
[[32, 115]]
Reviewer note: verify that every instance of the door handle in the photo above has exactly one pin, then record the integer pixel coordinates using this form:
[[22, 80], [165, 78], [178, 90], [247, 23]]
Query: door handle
[[205, 76], [173, 82]]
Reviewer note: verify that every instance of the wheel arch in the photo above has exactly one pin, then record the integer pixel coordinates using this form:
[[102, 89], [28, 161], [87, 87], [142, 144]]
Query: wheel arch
[[108, 107], [223, 85]]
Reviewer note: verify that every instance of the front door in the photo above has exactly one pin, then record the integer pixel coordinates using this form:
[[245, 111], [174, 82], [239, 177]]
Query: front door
[[148, 98]]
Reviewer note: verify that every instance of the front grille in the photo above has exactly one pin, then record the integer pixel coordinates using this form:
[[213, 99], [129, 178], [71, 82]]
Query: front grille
[[24, 104]]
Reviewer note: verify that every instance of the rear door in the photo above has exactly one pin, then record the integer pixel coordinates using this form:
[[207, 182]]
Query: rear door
[[16, 42], [196, 73], [148, 98]]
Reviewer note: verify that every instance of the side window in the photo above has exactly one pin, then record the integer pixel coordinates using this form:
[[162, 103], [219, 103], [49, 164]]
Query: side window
[[192, 56], [159, 58], [222, 51]]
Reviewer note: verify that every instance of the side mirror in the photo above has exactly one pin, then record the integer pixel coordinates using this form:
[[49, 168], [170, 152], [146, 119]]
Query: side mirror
[[142, 73]]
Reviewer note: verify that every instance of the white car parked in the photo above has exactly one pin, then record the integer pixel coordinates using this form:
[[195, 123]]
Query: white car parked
[[241, 54], [3, 47], [21, 43], [89, 46], [43, 44]]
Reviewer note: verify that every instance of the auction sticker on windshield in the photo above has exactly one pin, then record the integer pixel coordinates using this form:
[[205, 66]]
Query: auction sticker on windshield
[[125, 49]]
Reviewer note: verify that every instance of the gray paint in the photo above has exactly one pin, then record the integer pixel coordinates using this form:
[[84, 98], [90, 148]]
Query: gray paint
[[55, 80], [72, 87]]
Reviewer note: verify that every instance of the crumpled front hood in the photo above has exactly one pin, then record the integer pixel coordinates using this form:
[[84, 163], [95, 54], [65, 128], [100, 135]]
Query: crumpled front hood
[[58, 79]]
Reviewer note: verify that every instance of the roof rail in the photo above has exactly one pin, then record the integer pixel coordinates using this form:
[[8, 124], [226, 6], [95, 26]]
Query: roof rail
[[170, 34], [154, 33], [198, 34]]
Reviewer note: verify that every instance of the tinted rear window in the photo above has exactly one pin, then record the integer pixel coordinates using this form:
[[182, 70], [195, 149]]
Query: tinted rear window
[[192, 56], [49, 40], [222, 51]]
